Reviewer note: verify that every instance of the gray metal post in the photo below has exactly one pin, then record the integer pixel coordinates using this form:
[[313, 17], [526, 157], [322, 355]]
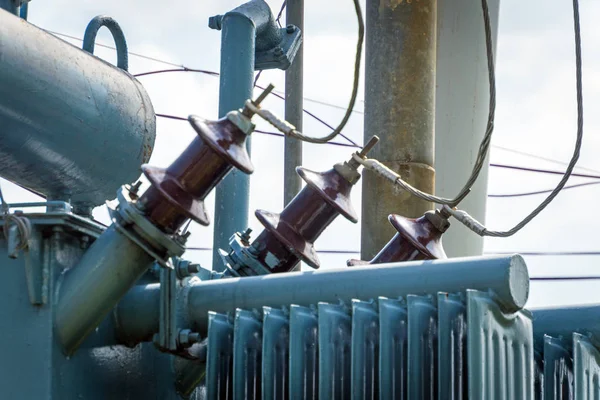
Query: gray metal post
[[294, 91], [461, 111], [237, 74], [399, 108]]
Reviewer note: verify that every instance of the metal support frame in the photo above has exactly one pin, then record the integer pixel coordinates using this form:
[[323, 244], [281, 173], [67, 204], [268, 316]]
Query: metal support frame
[[400, 109], [250, 40]]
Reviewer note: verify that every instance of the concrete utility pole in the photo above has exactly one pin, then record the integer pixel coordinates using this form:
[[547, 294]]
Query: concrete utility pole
[[400, 109], [461, 111]]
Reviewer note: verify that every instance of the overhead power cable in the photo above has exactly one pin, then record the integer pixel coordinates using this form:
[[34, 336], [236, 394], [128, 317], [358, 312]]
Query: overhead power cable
[[449, 205], [548, 159], [541, 191]]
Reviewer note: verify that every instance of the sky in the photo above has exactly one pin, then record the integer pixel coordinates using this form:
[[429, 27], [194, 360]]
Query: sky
[[536, 114]]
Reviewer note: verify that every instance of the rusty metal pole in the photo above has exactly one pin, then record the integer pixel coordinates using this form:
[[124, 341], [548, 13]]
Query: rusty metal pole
[[293, 106], [400, 109]]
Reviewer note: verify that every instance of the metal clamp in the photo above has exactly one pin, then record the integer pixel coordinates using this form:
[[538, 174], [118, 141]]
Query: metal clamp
[[144, 233], [89, 39], [241, 257]]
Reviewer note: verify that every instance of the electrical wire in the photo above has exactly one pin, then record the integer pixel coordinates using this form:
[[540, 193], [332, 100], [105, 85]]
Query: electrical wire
[[280, 96], [541, 191], [280, 14], [181, 69], [290, 130], [548, 159], [574, 158], [544, 171], [177, 118], [449, 205], [547, 253], [480, 161], [564, 278]]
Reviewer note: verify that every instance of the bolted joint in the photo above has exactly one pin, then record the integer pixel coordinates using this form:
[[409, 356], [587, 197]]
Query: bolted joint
[[186, 338], [439, 219], [185, 268], [348, 171]]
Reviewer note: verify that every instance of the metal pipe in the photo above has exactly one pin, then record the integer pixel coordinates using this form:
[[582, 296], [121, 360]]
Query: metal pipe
[[90, 290], [461, 111], [399, 107], [238, 45], [505, 276], [71, 126], [294, 92], [564, 321]]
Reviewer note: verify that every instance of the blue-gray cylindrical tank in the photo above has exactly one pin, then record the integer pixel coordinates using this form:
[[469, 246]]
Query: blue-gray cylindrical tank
[[71, 125]]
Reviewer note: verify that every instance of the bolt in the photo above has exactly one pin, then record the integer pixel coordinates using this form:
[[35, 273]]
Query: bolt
[[278, 51], [187, 338], [84, 242], [290, 29], [369, 146]]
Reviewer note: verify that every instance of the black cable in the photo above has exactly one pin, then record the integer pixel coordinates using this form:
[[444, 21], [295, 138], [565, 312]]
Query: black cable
[[541, 191], [563, 278], [545, 171], [182, 69], [546, 253], [318, 251], [171, 117]]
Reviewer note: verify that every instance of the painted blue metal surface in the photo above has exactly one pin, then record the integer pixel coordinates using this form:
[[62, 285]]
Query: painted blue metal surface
[[275, 353], [247, 355], [238, 46], [10, 6], [219, 358], [422, 347], [393, 350], [452, 346], [71, 126], [335, 333], [365, 350], [304, 344], [101, 369], [247, 33], [558, 370], [89, 39], [586, 368], [500, 350]]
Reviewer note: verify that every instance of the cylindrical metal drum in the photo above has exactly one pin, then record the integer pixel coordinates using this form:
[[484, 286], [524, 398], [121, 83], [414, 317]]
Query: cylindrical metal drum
[[71, 125]]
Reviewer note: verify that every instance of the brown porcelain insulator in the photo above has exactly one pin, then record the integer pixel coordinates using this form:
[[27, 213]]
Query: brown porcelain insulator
[[288, 237], [417, 239], [178, 192]]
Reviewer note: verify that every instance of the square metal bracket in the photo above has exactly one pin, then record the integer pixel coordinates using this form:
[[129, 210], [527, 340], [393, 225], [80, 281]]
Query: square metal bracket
[[282, 55]]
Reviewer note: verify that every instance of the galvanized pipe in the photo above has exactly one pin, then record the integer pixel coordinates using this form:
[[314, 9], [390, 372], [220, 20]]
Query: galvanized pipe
[[505, 276], [563, 321], [400, 66], [294, 92], [239, 28]]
